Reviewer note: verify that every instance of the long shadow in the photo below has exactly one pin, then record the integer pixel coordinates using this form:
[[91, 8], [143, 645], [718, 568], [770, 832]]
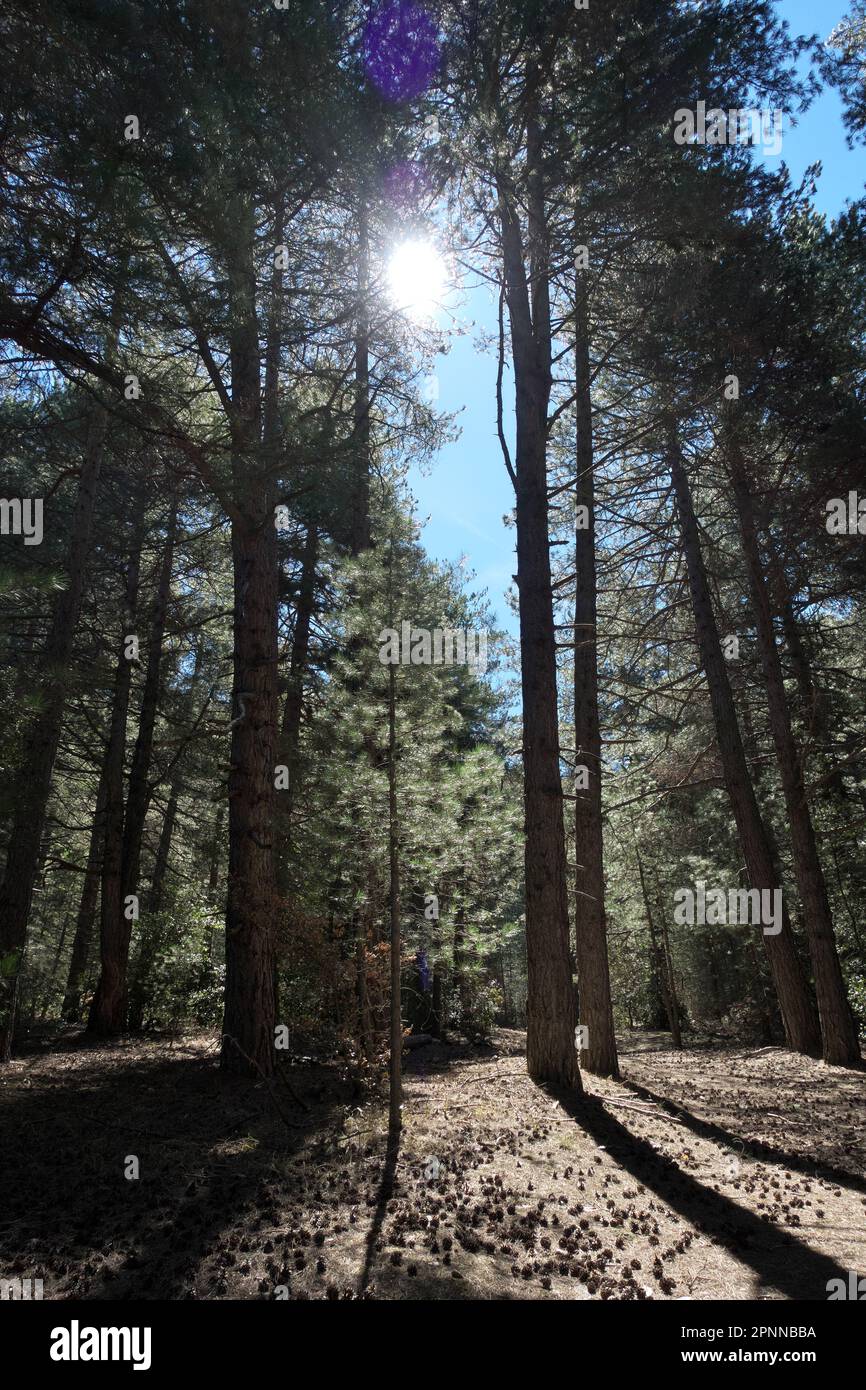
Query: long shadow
[[755, 1148], [66, 1201], [383, 1196], [780, 1261]]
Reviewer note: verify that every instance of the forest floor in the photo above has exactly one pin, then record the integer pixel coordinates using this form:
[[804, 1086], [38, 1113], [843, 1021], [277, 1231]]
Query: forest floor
[[736, 1173]]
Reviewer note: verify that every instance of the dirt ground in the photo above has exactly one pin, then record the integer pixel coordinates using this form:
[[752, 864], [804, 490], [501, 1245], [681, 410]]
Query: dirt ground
[[705, 1174]]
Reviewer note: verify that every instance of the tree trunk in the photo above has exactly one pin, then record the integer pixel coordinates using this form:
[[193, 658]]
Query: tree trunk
[[293, 708], [460, 974], [138, 794], [797, 1008], [550, 1048], [668, 961], [840, 1042], [33, 783], [108, 1010], [160, 868], [365, 1022], [769, 1013], [590, 927], [359, 521], [661, 964], [86, 909], [813, 700], [359, 540], [395, 1090], [251, 911], [437, 1025], [52, 974], [152, 934]]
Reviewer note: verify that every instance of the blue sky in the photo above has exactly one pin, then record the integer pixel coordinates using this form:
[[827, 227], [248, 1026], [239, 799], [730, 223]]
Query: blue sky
[[467, 493]]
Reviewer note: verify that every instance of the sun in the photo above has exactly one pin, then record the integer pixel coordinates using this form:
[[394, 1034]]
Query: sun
[[416, 279]]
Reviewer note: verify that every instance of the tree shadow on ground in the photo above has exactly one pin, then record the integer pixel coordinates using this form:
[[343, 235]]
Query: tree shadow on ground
[[780, 1261], [210, 1151], [758, 1149], [383, 1196]]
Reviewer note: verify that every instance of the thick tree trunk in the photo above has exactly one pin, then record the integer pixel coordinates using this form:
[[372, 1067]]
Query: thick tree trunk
[[138, 794], [359, 541], [797, 1008], [108, 1010], [839, 1034], [86, 909], [248, 1024], [275, 465], [395, 1090], [593, 970], [550, 1052], [251, 911], [33, 783]]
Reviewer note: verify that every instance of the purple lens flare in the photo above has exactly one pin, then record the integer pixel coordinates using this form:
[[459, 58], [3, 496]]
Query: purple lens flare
[[401, 50]]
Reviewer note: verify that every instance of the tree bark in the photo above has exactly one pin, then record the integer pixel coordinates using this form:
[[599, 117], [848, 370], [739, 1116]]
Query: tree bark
[[294, 703], [668, 960], [111, 1003], [813, 700], [839, 1034], [138, 793], [661, 964], [163, 851], [359, 541], [360, 497], [460, 973], [86, 909], [251, 910], [437, 1025], [151, 936], [799, 1015], [108, 1010], [551, 1054], [590, 926], [395, 1089], [33, 783]]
